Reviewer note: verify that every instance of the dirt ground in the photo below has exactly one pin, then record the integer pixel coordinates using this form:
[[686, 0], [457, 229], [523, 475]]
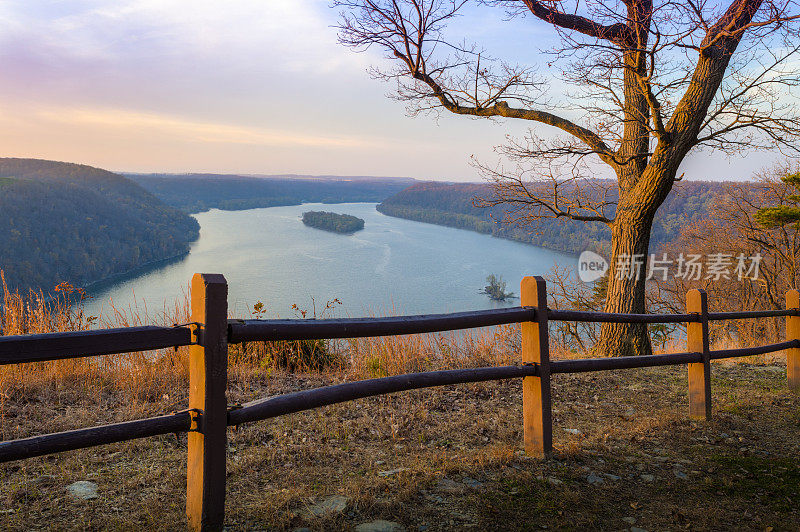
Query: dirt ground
[[438, 459]]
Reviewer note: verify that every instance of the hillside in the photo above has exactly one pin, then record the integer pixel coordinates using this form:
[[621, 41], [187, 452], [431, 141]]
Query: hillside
[[201, 192], [452, 205], [75, 223]]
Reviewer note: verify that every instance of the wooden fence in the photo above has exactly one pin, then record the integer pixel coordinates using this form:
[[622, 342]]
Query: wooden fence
[[208, 416]]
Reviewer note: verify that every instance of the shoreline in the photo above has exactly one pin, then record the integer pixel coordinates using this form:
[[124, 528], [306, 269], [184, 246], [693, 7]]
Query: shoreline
[[143, 268], [102, 283], [476, 231]]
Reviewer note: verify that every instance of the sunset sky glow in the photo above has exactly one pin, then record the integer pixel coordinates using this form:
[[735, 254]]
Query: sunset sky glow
[[247, 86]]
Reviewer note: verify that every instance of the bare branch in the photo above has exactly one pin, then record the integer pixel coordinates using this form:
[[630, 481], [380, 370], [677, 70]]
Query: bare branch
[[460, 82], [526, 200], [618, 33]]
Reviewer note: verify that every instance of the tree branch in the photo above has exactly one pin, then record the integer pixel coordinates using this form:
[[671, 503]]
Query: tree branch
[[501, 108], [618, 33]]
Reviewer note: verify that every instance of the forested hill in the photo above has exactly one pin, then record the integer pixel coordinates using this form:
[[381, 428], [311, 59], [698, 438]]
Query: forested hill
[[201, 192], [71, 222], [452, 205], [333, 222]]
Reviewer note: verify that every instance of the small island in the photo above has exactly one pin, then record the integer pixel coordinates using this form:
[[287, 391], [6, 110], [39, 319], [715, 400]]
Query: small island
[[331, 221], [496, 289]]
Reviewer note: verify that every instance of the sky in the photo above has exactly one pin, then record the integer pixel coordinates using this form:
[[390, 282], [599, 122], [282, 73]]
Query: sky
[[240, 86]]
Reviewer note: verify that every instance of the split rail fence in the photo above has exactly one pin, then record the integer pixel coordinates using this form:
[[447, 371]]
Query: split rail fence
[[208, 415]]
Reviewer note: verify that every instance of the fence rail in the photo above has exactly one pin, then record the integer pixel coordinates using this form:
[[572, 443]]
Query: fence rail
[[340, 393], [268, 330], [94, 436], [63, 345], [208, 416]]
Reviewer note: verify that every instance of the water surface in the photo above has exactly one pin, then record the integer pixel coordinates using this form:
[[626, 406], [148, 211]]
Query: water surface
[[392, 266]]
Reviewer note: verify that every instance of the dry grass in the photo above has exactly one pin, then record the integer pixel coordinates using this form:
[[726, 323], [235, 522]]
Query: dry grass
[[629, 428], [740, 470]]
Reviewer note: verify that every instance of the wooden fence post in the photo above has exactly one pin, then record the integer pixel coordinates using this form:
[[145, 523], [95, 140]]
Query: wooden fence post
[[208, 381], [793, 333], [536, 405], [697, 342]]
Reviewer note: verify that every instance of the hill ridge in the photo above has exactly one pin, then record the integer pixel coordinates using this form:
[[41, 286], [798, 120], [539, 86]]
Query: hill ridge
[[81, 224]]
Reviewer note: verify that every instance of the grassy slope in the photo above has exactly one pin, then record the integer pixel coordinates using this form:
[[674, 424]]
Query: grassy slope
[[659, 470], [629, 428]]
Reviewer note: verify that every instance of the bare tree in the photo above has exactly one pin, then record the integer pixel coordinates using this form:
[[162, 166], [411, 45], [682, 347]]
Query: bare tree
[[733, 228], [653, 81]]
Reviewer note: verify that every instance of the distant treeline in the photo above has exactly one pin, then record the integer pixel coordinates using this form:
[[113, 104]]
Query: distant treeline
[[201, 192], [453, 205], [331, 221], [75, 223]]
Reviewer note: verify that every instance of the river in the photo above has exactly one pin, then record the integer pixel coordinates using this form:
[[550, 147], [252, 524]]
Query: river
[[393, 266]]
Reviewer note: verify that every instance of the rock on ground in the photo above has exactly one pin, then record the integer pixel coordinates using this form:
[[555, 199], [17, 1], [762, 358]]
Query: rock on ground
[[335, 504], [380, 526], [593, 479], [392, 472], [83, 489]]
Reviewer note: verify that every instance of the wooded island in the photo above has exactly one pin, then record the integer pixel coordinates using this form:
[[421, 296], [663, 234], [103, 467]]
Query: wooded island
[[331, 221]]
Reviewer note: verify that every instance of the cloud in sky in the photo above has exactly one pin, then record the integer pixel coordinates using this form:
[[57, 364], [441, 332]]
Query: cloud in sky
[[201, 132], [98, 29], [56, 45], [257, 86]]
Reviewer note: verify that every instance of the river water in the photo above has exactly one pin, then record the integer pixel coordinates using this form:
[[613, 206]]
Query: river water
[[393, 266]]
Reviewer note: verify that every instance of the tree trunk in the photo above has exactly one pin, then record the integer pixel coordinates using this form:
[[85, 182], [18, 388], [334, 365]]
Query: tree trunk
[[630, 239]]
